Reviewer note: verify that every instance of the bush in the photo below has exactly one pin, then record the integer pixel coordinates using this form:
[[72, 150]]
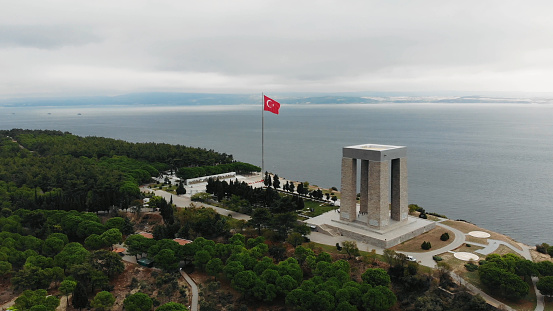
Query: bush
[[200, 197], [542, 248], [415, 208], [437, 258], [468, 245], [426, 245], [471, 267], [444, 236]]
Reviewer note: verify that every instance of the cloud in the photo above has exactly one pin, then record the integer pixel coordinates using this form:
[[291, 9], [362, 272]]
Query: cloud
[[44, 36], [249, 45]]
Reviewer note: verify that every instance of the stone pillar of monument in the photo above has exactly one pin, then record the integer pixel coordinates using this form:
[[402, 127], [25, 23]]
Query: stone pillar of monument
[[400, 207], [364, 191], [348, 202], [379, 193]]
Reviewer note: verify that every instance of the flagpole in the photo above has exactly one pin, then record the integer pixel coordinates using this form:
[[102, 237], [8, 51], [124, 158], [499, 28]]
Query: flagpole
[[262, 137]]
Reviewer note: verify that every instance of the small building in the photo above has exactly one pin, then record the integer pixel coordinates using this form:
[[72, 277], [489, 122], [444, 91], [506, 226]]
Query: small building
[[120, 251], [146, 235], [182, 241], [146, 262]]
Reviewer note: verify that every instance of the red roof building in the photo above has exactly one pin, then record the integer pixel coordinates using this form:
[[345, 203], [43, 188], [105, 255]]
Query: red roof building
[[182, 241]]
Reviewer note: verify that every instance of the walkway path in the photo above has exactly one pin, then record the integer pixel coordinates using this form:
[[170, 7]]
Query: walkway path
[[540, 302], [184, 201], [426, 258], [494, 244], [195, 293]]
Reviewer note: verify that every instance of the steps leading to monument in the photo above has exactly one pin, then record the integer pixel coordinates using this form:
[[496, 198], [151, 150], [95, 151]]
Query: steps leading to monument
[[332, 231]]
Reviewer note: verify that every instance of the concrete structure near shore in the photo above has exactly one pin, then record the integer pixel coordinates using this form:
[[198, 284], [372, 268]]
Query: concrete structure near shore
[[381, 217], [376, 161]]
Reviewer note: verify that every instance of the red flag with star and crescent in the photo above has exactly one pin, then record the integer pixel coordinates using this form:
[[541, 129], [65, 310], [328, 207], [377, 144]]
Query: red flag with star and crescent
[[270, 105]]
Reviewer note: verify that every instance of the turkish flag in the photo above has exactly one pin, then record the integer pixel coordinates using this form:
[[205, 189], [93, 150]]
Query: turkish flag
[[270, 105]]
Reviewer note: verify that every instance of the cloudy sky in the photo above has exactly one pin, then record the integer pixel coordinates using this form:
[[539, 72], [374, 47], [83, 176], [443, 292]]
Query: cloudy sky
[[73, 47]]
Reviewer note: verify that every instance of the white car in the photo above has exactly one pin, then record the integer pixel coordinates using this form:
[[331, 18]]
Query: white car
[[411, 258]]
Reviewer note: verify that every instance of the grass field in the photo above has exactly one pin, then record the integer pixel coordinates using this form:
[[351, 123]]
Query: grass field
[[318, 208], [432, 236], [332, 250]]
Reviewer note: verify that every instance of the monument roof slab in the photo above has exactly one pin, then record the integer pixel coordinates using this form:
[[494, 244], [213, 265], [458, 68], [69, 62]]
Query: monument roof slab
[[374, 152]]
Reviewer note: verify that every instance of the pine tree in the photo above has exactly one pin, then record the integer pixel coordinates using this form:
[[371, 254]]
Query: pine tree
[[180, 189], [300, 204], [267, 180], [300, 188], [276, 182], [80, 298]]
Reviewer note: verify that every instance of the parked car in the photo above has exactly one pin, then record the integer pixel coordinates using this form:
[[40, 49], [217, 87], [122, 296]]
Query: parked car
[[411, 258]]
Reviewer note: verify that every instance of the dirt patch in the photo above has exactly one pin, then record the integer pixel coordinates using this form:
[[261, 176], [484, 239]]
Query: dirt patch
[[466, 227], [150, 281], [456, 265], [471, 239], [468, 249], [537, 256], [159, 286], [6, 294], [503, 250], [432, 236]]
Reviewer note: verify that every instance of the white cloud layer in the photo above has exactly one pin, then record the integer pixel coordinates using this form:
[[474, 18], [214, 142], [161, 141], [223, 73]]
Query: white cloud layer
[[112, 47]]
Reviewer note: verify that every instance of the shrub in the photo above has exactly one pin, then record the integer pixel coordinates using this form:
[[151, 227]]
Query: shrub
[[468, 245], [200, 197], [444, 236], [471, 266], [426, 245], [542, 248], [437, 258]]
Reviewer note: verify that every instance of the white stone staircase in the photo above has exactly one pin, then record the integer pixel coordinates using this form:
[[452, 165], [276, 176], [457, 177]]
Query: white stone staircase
[[332, 231]]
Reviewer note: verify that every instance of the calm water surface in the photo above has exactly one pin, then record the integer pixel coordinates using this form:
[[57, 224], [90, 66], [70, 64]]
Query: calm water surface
[[489, 164]]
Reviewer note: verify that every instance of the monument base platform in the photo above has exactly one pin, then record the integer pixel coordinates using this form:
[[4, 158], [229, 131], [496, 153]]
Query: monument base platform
[[330, 223]]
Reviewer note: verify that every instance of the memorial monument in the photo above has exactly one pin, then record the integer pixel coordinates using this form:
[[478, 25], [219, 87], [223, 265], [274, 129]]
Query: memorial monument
[[376, 161], [381, 218]]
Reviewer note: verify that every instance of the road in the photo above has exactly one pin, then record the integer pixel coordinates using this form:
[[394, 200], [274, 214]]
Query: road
[[184, 201]]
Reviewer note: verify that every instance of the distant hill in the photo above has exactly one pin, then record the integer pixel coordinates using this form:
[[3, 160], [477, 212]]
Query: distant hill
[[187, 99]]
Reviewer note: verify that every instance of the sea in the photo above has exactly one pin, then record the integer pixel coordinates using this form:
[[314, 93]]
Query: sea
[[489, 164]]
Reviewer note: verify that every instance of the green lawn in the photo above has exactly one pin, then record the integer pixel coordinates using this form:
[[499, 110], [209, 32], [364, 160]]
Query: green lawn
[[317, 208], [331, 249]]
